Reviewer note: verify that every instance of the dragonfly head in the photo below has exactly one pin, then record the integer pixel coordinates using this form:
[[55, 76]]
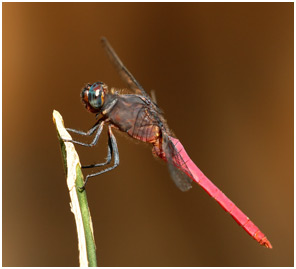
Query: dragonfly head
[[93, 96]]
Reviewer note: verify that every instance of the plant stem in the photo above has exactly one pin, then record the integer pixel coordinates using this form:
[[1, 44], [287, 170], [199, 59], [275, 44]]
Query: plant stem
[[79, 205]]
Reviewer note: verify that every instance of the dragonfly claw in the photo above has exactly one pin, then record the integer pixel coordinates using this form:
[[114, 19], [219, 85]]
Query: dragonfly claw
[[81, 189]]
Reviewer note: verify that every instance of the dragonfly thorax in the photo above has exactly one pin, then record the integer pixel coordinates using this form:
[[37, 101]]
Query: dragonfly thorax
[[93, 96]]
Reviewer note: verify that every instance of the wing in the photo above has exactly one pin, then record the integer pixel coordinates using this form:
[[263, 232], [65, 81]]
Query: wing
[[177, 166], [122, 70], [175, 162]]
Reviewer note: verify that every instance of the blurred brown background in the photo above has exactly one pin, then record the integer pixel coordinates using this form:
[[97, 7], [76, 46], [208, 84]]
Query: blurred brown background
[[223, 74]]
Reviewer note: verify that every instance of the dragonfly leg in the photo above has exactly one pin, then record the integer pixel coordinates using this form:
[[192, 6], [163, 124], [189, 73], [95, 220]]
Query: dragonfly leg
[[113, 149], [108, 159], [88, 133], [96, 139]]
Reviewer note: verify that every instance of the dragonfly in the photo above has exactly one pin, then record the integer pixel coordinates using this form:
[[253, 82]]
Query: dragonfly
[[138, 114]]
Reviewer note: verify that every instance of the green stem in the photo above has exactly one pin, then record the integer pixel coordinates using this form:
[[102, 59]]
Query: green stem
[[86, 218], [79, 204]]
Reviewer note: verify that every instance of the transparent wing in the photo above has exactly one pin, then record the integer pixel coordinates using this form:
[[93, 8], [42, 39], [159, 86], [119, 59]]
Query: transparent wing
[[175, 162], [122, 70], [177, 166]]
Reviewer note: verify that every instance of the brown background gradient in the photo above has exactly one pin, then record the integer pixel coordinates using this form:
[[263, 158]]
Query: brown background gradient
[[223, 74]]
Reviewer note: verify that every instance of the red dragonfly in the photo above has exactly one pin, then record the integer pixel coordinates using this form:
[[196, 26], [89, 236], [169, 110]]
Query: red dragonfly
[[139, 116]]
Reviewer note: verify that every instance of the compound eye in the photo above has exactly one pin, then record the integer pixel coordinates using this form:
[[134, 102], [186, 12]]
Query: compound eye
[[84, 94], [96, 95]]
